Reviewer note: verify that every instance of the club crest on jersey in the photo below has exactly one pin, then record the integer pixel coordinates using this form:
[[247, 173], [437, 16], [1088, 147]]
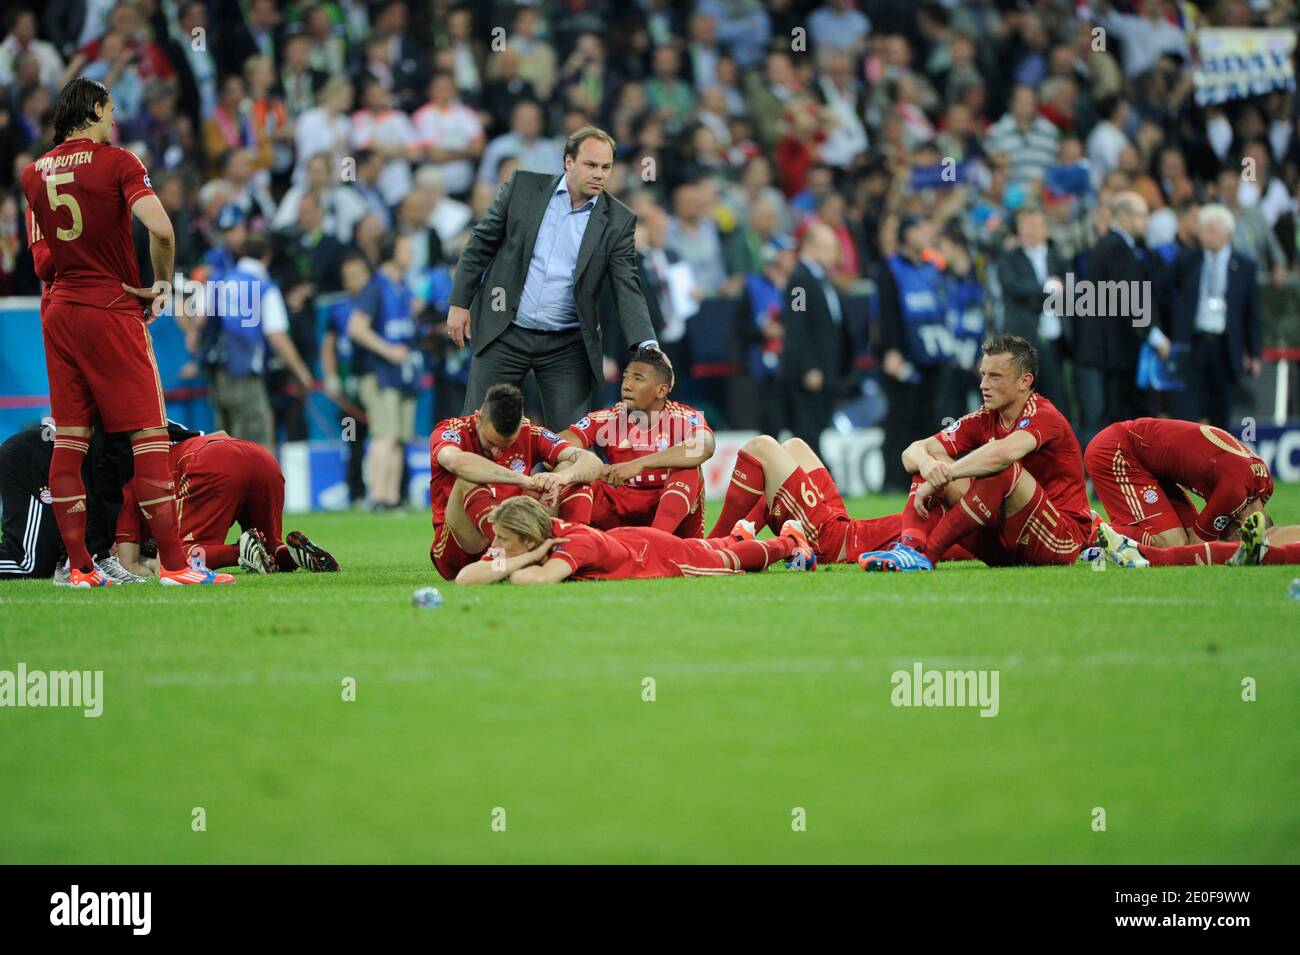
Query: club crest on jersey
[[1024, 423], [451, 436], [516, 464], [1149, 495], [662, 442]]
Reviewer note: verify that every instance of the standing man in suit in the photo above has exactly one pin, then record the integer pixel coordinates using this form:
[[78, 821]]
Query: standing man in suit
[[1024, 272], [1216, 312], [816, 339], [527, 285], [1106, 353]]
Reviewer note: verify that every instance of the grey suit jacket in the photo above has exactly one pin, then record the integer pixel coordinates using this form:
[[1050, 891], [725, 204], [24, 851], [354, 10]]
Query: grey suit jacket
[[500, 249]]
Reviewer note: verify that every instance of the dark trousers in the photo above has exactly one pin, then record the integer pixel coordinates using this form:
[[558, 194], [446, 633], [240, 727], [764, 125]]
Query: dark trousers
[[558, 360], [810, 413], [1213, 379], [1124, 400], [1090, 387], [31, 545], [913, 414]]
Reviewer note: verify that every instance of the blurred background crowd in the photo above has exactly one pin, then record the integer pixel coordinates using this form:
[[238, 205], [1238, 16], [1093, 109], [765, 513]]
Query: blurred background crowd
[[869, 151]]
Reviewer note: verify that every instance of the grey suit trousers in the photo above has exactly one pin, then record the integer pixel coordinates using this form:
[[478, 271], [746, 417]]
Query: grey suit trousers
[[557, 359]]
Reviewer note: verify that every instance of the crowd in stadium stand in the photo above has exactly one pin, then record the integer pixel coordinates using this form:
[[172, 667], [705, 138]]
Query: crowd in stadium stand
[[763, 143]]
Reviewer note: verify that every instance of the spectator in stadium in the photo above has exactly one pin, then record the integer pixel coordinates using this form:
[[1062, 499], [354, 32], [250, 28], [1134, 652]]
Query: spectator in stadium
[[382, 330], [816, 341], [666, 92], [1108, 343], [1216, 313], [230, 127], [344, 203], [537, 60], [325, 128], [1026, 138], [1251, 236], [965, 305], [449, 135], [838, 26], [20, 37], [272, 131], [247, 186], [910, 341], [1024, 274], [158, 127], [524, 142], [760, 335], [311, 249], [584, 238], [380, 127], [299, 82], [247, 313], [694, 235]]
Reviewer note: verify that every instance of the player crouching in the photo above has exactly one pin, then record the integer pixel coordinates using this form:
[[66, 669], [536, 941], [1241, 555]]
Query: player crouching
[[1258, 545], [532, 547], [223, 481]]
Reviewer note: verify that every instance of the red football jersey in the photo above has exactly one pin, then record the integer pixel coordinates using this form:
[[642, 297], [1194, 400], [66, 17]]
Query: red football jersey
[[1056, 464], [533, 446], [1206, 460], [635, 553], [81, 193], [626, 436]]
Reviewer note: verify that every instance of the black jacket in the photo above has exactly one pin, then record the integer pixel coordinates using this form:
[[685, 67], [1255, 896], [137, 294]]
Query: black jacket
[[1107, 341], [813, 339]]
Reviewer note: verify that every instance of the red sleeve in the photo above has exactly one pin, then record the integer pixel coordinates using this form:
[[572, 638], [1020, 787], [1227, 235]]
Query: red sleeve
[[582, 549], [132, 177], [1227, 501], [42, 260], [446, 434], [547, 445], [587, 429], [693, 423], [1046, 426], [963, 435]]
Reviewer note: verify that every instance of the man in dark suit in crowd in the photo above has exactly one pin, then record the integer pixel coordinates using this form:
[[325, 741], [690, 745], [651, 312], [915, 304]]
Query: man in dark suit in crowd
[[1023, 273], [527, 285], [1216, 313], [1108, 341], [813, 363]]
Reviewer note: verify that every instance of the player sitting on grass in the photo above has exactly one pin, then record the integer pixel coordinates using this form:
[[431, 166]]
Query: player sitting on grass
[[478, 460], [773, 482], [654, 448], [532, 547], [1257, 546], [1009, 474], [222, 481], [1139, 469]]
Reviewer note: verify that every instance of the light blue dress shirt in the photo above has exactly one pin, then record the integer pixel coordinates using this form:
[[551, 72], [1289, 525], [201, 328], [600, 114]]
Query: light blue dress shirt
[[547, 299]]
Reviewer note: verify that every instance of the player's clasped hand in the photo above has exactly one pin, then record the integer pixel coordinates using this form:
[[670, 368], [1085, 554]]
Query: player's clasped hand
[[619, 474], [935, 473], [155, 295], [923, 492]]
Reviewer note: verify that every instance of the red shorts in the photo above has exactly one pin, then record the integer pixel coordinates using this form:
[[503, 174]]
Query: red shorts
[[99, 360], [635, 507], [448, 557], [1037, 535], [226, 483], [1136, 501]]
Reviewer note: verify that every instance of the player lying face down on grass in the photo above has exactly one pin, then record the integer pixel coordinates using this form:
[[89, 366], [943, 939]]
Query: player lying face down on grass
[[1140, 469], [478, 460], [83, 194], [223, 481], [654, 449], [1008, 476], [533, 547]]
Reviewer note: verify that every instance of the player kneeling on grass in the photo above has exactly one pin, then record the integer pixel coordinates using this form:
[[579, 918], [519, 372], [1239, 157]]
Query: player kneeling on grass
[[654, 448], [532, 547], [223, 481], [1010, 476], [1257, 546], [478, 460]]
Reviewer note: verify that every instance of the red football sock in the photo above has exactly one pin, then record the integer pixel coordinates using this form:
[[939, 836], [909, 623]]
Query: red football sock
[[978, 508], [216, 556], [1283, 554], [758, 555], [745, 489], [478, 505], [917, 529], [284, 560], [576, 503], [758, 515], [681, 491], [154, 492], [69, 494]]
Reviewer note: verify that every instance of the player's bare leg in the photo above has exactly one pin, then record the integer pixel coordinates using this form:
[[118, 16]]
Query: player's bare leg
[[69, 501], [1174, 537], [762, 466], [468, 508]]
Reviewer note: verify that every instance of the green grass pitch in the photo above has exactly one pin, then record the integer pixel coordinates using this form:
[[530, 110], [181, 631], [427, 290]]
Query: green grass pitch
[[1120, 690]]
